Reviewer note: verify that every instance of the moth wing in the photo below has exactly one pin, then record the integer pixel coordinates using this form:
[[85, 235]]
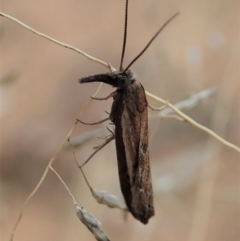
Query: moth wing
[[135, 135], [125, 147], [143, 183]]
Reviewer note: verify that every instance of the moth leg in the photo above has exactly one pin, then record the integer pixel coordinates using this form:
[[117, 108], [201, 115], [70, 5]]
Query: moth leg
[[112, 137], [106, 137], [105, 98], [160, 108], [94, 123]]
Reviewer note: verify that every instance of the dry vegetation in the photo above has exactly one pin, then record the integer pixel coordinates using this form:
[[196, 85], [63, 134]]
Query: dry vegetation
[[195, 177]]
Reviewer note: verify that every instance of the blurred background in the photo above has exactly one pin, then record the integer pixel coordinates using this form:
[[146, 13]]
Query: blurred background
[[195, 178]]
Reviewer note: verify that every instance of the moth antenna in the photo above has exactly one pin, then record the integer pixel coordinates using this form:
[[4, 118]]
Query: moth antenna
[[125, 35], [160, 30]]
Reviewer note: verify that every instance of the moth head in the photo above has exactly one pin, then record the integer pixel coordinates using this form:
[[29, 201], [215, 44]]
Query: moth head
[[124, 79], [117, 79]]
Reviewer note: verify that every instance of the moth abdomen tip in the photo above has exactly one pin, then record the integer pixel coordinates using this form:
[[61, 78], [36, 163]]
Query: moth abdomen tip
[[144, 219], [146, 214]]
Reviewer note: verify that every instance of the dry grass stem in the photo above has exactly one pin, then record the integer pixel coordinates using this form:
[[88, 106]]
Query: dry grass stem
[[176, 117], [93, 225], [157, 108], [47, 168], [190, 102], [102, 197], [55, 41], [195, 124], [64, 184], [84, 216], [38, 185]]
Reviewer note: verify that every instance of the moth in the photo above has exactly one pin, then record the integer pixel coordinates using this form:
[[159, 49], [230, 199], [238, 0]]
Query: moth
[[129, 114]]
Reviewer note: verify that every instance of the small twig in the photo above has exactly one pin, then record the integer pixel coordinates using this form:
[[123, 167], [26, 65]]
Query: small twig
[[64, 184], [38, 185], [176, 117], [102, 197], [56, 41], [195, 124], [157, 108], [166, 112], [190, 102], [47, 169], [85, 217]]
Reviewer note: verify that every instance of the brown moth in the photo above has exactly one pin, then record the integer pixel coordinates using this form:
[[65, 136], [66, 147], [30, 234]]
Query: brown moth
[[129, 114]]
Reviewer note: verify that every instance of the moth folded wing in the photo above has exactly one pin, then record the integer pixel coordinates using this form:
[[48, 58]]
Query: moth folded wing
[[128, 131], [125, 147], [129, 114], [108, 78], [141, 184]]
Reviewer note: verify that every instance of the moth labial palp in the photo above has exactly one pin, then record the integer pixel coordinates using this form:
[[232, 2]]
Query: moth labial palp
[[129, 114]]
